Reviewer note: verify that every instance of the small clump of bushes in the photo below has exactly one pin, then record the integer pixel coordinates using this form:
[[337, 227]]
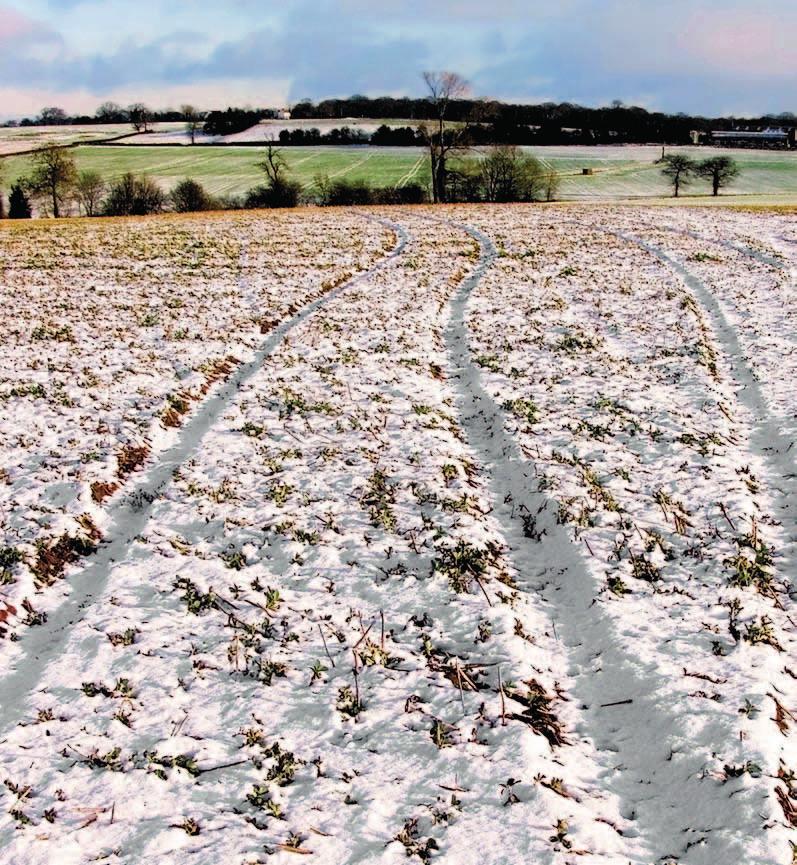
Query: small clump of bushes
[[133, 195]]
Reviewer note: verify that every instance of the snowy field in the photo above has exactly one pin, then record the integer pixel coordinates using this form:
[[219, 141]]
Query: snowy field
[[444, 535], [20, 139], [264, 131]]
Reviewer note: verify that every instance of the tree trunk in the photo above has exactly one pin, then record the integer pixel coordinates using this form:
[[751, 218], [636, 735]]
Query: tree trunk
[[433, 158], [56, 212], [442, 192]]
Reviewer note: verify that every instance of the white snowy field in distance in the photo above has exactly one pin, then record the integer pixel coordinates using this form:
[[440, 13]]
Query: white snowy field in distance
[[20, 139], [267, 130]]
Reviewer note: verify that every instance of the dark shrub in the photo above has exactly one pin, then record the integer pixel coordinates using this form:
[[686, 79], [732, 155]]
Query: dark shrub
[[341, 193], [18, 203], [345, 193], [412, 193], [281, 193], [134, 196], [189, 196], [228, 202]]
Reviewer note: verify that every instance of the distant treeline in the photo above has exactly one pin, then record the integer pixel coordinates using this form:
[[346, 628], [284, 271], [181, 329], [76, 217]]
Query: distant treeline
[[491, 121], [555, 122], [233, 120], [229, 121]]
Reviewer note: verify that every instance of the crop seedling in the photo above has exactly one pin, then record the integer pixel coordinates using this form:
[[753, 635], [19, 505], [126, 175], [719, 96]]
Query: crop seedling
[[522, 409], [126, 638], [122, 689], [9, 556], [489, 362], [752, 571], [259, 796], [441, 734], [560, 834], [285, 766], [461, 564], [110, 760], [347, 703], [181, 761], [273, 600], [190, 826], [507, 790], [197, 602], [317, 671], [761, 632], [234, 560], [379, 497], [279, 494], [643, 569]]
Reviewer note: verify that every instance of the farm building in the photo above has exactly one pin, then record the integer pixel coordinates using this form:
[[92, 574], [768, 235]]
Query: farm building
[[773, 138]]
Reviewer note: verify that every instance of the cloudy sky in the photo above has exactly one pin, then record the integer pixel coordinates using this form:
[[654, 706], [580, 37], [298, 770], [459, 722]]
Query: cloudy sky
[[703, 56]]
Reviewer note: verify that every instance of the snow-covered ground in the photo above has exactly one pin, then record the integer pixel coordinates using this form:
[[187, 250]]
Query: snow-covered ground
[[484, 554], [112, 334]]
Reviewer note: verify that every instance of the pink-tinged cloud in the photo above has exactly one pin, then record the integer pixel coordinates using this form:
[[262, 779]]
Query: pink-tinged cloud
[[747, 42], [14, 25], [21, 101]]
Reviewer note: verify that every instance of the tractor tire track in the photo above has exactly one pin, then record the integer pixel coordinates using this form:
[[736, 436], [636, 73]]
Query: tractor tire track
[[129, 516], [766, 438], [643, 744], [763, 432]]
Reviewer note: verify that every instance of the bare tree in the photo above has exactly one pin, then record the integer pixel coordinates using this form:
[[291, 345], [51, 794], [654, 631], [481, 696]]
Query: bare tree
[[720, 170], [509, 174], [441, 137], [54, 175], [140, 116], [52, 116], [679, 169], [279, 190], [274, 165], [551, 184], [111, 112], [90, 188], [193, 120]]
